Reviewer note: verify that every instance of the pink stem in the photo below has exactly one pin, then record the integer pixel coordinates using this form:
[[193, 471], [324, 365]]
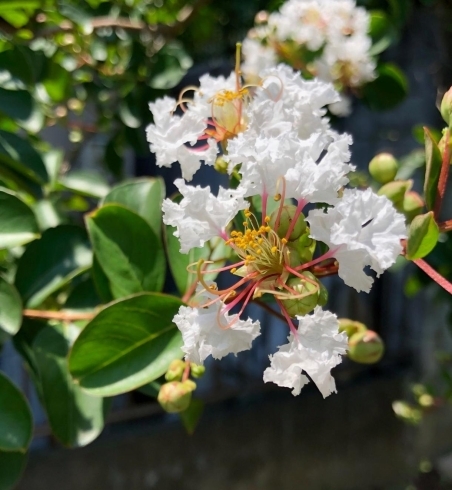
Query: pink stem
[[231, 305], [436, 276], [264, 206], [323, 257], [288, 319]]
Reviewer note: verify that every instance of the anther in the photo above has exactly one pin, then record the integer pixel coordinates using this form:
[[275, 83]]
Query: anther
[[277, 197]]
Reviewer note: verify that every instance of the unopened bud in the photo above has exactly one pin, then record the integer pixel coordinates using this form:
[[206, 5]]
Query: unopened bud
[[221, 165], [285, 221], [175, 370], [395, 191], [383, 168], [350, 327], [302, 306], [197, 371], [323, 295], [446, 107], [176, 396], [412, 205], [365, 347]]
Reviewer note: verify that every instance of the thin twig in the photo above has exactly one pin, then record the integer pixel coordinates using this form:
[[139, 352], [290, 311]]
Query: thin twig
[[59, 315], [436, 276], [445, 226]]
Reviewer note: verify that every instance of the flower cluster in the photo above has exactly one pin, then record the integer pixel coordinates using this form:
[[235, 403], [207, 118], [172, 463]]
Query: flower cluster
[[322, 38], [281, 150]]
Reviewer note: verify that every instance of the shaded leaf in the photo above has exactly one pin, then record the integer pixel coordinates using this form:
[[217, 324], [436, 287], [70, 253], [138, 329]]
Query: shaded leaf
[[75, 417], [10, 308], [83, 297], [381, 31], [16, 424], [144, 196], [127, 345], [12, 464], [51, 262], [18, 223], [86, 182], [128, 251], [388, 89], [422, 237], [190, 417]]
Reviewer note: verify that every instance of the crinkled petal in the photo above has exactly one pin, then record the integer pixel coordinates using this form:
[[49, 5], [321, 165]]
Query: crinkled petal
[[316, 350]]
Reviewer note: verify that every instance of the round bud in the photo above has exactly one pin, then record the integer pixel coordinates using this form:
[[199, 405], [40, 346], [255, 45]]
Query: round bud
[[323, 295], [446, 107], [365, 347], [383, 168], [197, 371], [302, 306], [175, 396], [395, 191], [351, 327], [221, 165], [175, 370], [294, 256], [287, 214], [412, 205]]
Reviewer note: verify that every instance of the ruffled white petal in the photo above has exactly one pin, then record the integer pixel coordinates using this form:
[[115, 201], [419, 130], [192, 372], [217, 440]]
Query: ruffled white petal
[[200, 215], [203, 336], [363, 229], [316, 350]]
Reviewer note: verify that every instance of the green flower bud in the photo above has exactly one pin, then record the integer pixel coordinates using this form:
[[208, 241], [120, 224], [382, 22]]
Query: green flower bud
[[175, 396], [305, 246], [383, 168], [323, 295], [287, 214], [175, 370], [351, 327], [197, 371], [294, 256], [446, 107], [412, 205], [221, 165], [365, 347], [302, 306], [395, 192]]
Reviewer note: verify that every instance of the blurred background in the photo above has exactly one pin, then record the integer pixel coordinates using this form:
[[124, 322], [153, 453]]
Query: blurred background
[[390, 425]]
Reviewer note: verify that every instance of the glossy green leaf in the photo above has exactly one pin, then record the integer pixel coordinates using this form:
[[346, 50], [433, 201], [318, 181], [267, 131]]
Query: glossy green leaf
[[101, 282], [433, 162], [83, 297], [190, 417], [129, 252], [144, 196], [388, 89], [86, 183], [10, 308], [75, 417], [48, 215], [57, 83], [129, 113], [17, 104], [12, 464], [16, 423], [127, 345], [17, 153], [18, 223], [381, 31], [423, 236], [51, 262], [215, 250]]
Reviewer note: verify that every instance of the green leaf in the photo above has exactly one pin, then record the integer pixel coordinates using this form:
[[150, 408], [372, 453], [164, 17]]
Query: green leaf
[[101, 282], [190, 417], [58, 82], [143, 196], [10, 308], [171, 65], [215, 250], [381, 31], [127, 249], [127, 345], [16, 424], [75, 417], [86, 183], [51, 262], [19, 155], [129, 113], [422, 237], [47, 214], [17, 221], [83, 297], [12, 464], [388, 89], [17, 104], [433, 162]]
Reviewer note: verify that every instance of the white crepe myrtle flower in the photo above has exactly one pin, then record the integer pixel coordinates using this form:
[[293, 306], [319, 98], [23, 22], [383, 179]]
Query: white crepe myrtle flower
[[363, 229], [315, 349], [327, 39], [200, 215], [211, 331]]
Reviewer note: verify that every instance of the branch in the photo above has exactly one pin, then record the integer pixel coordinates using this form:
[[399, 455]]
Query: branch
[[59, 315], [436, 276]]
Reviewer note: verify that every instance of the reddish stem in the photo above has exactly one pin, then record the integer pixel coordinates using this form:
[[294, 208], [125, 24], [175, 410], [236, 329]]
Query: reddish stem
[[436, 276], [445, 226], [444, 174]]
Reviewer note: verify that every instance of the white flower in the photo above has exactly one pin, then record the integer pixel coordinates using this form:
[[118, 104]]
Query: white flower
[[200, 215], [363, 229], [257, 58], [203, 336], [316, 350], [170, 134]]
